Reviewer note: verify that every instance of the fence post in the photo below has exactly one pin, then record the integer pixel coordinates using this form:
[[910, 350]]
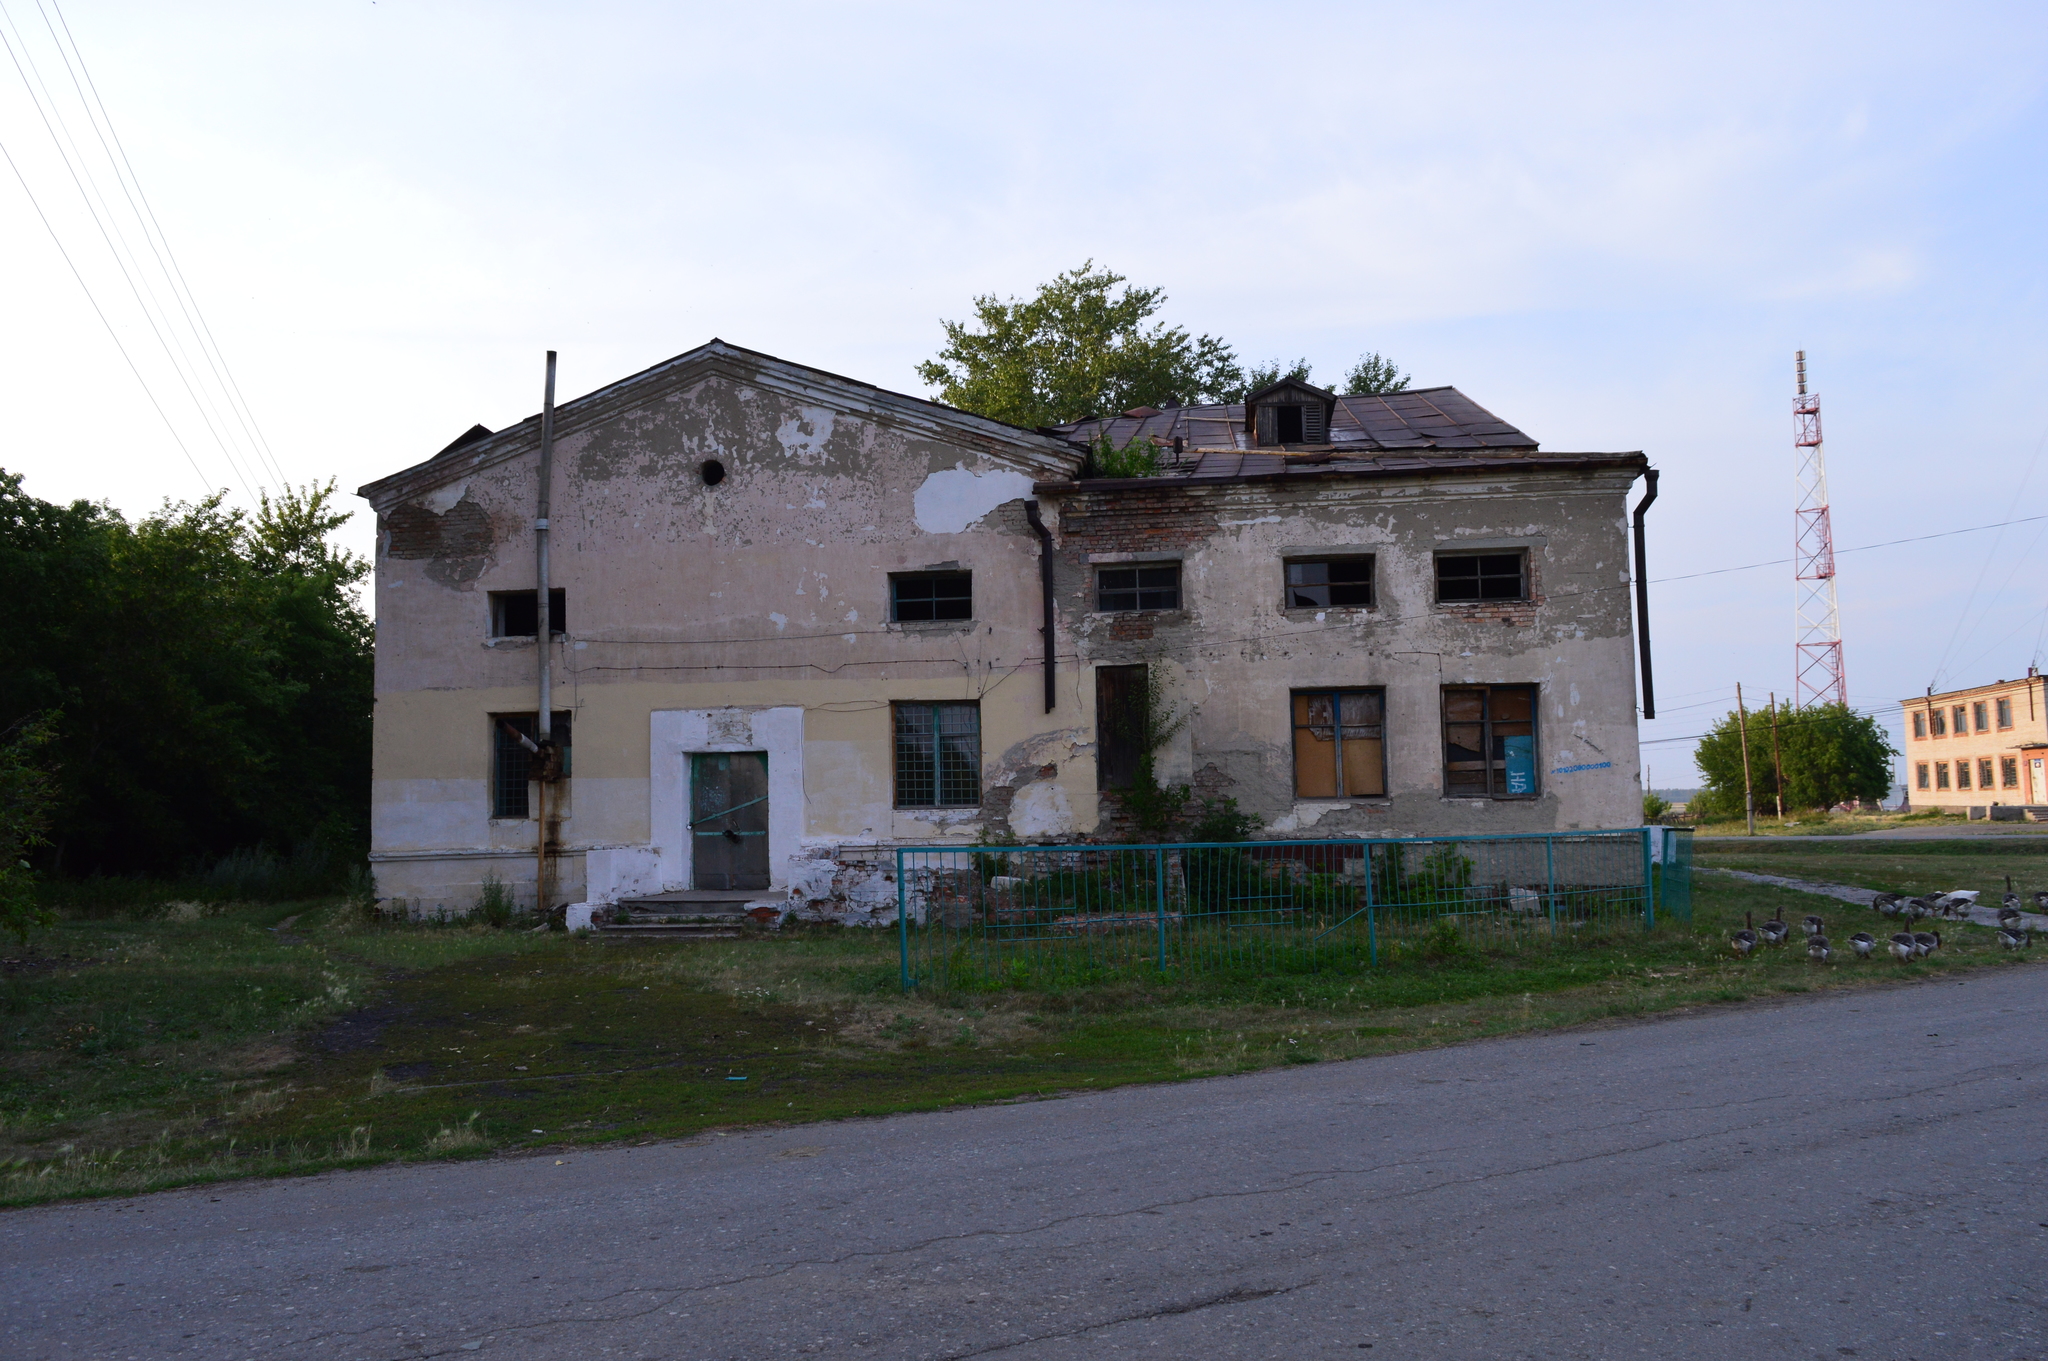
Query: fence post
[[903, 921], [1159, 866], [1649, 883], [1372, 931], [1550, 876]]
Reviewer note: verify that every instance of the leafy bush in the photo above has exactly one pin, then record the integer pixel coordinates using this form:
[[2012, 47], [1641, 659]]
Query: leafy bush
[[494, 902]]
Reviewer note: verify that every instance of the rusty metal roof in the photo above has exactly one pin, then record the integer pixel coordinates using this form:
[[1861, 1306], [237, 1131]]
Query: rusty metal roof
[[1217, 466], [1418, 419]]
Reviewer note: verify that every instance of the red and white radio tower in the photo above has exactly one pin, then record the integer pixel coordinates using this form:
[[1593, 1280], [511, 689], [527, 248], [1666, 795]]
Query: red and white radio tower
[[1817, 625]]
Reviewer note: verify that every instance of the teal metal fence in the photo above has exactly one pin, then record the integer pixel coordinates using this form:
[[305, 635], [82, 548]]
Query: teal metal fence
[[981, 915]]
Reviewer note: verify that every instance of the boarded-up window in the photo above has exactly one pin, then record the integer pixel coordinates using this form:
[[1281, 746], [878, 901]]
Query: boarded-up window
[[938, 755], [1339, 744], [1490, 741], [512, 763], [1120, 725]]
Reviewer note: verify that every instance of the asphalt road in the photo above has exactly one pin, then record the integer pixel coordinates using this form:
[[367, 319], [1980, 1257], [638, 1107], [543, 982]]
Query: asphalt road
[[1857, 1175]]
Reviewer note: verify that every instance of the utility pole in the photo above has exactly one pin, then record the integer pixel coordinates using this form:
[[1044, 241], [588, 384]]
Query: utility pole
[[1777, 762], [1742, 730]]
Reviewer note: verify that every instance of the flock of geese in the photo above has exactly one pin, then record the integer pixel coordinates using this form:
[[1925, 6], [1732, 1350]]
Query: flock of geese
[[1906, 945]]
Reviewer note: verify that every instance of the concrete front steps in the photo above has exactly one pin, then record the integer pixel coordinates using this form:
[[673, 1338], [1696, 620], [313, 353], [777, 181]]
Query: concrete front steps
[[688, 914]]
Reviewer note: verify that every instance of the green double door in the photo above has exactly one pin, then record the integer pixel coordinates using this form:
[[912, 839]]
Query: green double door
[[729, 820]]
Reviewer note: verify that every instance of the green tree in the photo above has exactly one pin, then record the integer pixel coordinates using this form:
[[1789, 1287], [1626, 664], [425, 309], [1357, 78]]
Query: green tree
[[1263, 376], [1374, 373], [213, 668], [1830, 754], [1080, 347], [27, 795]]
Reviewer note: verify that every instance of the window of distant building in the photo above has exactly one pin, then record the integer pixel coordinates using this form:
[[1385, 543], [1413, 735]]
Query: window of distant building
[[1984, 772], [1962, 774], [1920, 775], [1919, 727], [1941, 774], [1980, 712], [2005, 713], [2009, 772], [1938, 720], [1962, 717]]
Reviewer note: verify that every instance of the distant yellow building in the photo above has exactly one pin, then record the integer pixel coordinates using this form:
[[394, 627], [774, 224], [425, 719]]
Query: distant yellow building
[[1981, 749]]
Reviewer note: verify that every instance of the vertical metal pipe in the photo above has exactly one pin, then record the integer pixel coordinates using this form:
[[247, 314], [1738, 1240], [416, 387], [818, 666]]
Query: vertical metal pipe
[[1643, 593], [543, 643], [1044, 591]]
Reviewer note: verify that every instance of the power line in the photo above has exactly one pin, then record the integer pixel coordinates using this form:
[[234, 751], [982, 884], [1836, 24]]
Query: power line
[[112, 334], [1861, 548]]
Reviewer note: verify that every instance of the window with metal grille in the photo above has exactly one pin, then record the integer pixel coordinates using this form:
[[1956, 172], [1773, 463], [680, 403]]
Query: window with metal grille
[[1328, 583], [2005, 713], [923, 597], [512, 763], [1941, 774], [1984, 772], [1147, 586], [1339, 744], [1482, 576], [938, 755], [1919, 726], [516, 614], [1920, 775], [1980, 713], [1490, 741], [2009, 772], [1962, 774]]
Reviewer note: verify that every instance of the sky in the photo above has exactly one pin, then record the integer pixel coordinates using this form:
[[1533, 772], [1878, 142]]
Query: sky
[[1611, 225]]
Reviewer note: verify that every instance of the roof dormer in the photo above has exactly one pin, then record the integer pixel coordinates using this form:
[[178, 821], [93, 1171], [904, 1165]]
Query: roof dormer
[[1288, 412]]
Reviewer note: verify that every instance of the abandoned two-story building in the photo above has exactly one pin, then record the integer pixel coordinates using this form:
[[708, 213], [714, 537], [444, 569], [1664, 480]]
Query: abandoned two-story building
[[797, 620]]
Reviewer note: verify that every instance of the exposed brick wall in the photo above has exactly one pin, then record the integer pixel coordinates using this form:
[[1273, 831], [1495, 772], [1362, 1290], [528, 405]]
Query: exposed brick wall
[[458, 545], [1136, 521]]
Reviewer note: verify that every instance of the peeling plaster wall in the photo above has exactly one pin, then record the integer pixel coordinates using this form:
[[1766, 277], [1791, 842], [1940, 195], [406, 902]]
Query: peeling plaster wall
[[1234, 654], [770, 591]]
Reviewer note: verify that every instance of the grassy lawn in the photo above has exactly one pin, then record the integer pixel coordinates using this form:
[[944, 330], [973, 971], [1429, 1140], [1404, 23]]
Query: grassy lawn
[[1982, 863], [147, 1054], [1810, 824]]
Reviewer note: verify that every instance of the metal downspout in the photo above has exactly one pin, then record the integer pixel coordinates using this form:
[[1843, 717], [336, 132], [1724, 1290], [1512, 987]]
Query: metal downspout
[[1643, 593], [543, 637], [1045, 590]]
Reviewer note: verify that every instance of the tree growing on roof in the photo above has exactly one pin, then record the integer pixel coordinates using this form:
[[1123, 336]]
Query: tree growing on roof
[[1080, 347], [1374, 373]]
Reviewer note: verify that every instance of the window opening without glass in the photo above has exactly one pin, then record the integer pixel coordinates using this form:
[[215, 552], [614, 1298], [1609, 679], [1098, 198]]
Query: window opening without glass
[[1121, 722], [938, 755], [1146, 586], [1483, 576], [1490, 741], [924, 597], [512, 763], [1329, 583], [516, 614], [1339, 744]]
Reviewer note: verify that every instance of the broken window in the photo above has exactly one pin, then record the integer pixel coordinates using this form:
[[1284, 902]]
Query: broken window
[[1146, 586], [938, 755], [512, 763], [1920, 775], [1981, 716], [1490, 741], [1325, 583], [1941, 774], [516, 614], [1339, 744], [1984, 772], [1919, 725], [2005, 713], [1482, 576], [1287, 425], [1939, 723], [922, 597], [2008, 770], [1121, 725]]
